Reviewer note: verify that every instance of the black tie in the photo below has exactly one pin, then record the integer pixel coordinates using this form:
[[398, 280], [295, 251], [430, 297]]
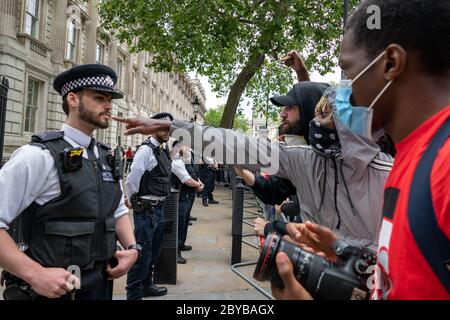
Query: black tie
[[90, 150]]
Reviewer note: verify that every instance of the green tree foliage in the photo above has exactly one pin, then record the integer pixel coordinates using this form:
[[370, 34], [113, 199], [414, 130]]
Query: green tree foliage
[[213, 117], [236, 43]]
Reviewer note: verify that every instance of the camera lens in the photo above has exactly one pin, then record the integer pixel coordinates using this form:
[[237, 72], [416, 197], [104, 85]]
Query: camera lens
[[308, 267], [266, 258]]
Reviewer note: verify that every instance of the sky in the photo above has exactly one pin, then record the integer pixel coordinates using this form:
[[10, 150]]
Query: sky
[[213, 101]]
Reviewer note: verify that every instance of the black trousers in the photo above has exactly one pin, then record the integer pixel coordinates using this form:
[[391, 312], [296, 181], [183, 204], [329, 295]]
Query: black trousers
[[208, 177]]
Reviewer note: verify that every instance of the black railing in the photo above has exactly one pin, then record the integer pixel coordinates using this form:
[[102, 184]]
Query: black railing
[[245, 207], [4, 88], [166, 268]]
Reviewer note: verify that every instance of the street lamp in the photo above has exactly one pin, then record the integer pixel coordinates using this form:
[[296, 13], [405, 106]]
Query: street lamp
[[345, 12], [345, 24], [196, 105]]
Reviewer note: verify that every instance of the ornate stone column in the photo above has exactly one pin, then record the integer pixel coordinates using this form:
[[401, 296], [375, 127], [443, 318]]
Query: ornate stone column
[[139, 77], [59, 28], [113, 53], [91, 32], [8, 19]]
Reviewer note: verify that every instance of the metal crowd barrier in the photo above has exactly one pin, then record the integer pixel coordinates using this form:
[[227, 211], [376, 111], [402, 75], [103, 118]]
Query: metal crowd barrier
[[166, 268], [243, 202]]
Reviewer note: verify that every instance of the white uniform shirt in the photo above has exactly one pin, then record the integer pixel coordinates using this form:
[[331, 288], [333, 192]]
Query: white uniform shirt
[[179, 169], [144, 160], [31, 176]]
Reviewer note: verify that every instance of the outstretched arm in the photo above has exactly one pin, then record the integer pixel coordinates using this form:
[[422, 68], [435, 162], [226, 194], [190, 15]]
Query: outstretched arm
[[225, 145]]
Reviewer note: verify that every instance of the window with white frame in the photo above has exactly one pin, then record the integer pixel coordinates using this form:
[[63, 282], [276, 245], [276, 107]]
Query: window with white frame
[[71, 41], [32, 18], [100, 53], [32, 105]]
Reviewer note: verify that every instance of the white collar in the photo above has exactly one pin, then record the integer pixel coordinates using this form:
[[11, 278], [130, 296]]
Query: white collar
[[76, 135], [155, 142]]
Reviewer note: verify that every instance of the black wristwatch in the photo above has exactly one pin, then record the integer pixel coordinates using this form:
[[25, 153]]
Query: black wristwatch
[[135, 246]]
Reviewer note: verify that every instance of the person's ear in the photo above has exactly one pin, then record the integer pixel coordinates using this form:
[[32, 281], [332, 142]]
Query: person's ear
[[395, 62], [73, 100]]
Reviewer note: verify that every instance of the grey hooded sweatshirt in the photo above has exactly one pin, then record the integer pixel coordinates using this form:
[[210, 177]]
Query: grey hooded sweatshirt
[[343, 193]]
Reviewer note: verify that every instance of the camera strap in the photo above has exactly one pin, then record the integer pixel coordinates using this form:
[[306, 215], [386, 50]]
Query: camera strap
[[432, 242]]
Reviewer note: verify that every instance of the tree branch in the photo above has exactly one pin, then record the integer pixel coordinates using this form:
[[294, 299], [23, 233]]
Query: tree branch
[[259, 3], [238, 88], [246, 21]]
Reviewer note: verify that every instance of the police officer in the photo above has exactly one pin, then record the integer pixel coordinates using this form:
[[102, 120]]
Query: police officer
[[184, 179], [66, 201], [207, 173], [148, 185]]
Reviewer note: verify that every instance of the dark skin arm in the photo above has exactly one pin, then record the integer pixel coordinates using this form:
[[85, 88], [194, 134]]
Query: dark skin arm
[[293, 290], [295, 61]]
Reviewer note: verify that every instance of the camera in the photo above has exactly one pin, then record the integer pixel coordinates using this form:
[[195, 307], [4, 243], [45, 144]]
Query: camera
[[72, 159], [344, 280]]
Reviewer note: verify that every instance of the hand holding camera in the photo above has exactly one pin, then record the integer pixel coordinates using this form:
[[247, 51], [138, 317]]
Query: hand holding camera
[[344, 279], [314, 238]]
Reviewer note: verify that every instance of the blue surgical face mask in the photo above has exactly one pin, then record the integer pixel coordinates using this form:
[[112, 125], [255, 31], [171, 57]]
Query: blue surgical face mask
[[357, 119]]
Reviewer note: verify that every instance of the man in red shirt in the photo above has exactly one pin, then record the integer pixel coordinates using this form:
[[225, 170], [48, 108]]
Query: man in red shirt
[[411, 68]]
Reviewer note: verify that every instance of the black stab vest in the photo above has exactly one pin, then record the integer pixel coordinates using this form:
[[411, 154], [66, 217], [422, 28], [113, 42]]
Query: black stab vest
[[157, 181], [77, 227]]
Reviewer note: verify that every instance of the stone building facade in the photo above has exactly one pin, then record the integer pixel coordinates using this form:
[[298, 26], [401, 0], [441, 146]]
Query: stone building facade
[[264, 128], [41, 38]]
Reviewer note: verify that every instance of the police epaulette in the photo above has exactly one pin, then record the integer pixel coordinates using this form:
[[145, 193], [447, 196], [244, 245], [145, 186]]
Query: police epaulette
[[103, 146], [47, 136], [149, 143], [37, 144]]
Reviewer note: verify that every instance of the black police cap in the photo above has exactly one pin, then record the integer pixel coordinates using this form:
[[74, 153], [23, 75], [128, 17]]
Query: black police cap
[[163, 116], [96, 77]]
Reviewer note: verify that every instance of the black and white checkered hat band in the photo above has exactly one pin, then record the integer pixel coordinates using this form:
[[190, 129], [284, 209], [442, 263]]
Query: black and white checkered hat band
[[99, 82], [164, 118]]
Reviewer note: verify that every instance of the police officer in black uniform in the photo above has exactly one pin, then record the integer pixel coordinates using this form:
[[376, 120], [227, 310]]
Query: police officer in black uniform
[[207, 173], [184, 179], [64, 202], [148, 185]]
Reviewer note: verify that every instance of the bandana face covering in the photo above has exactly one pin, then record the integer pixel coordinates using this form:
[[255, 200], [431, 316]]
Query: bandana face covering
[[324, 140]]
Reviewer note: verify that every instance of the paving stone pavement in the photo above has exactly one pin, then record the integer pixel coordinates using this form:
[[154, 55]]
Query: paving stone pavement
[[207, 274]]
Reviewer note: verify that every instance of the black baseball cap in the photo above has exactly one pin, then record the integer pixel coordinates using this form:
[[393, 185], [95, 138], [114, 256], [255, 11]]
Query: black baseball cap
[[288, 100]]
